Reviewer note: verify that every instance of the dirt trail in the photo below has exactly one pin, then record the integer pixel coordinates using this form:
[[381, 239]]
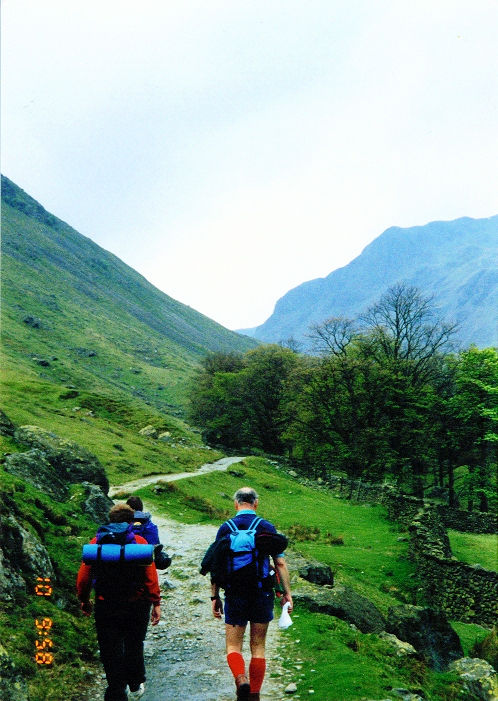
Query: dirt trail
[[185, 653], [221, 465]]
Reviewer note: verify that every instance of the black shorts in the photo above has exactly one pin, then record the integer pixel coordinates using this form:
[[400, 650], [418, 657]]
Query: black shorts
[[256, 607]]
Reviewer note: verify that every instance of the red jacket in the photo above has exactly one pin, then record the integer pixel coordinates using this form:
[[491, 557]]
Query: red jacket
[[152, 593]]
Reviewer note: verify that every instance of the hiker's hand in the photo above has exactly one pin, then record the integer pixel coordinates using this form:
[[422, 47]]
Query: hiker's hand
[[155, 615], [287, 599], [86, 607], [217, 606]]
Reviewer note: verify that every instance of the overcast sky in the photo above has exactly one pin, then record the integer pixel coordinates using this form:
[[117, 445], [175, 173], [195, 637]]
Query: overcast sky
[[229, 150]]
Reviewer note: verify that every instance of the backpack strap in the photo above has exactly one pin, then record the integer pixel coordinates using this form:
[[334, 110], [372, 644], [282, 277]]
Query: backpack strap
[[231, 525], [251, 527], [254, 524]]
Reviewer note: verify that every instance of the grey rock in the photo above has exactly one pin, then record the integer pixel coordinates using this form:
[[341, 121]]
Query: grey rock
[[316, 572], [24, 558], [7, 428], [428, 631], [403, 649], [291, 688], [148, 431], [407, 695], [11, 582], [33, 321], [344, 603], [72, 462], [479, 676], [34, 467], [96, 503]]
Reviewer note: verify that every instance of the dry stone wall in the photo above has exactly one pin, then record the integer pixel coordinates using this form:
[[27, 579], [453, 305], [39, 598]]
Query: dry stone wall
[[404, 508], [466, 592]]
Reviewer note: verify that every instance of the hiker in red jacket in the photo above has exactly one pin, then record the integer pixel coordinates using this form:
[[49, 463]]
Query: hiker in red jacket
[[124, 597]]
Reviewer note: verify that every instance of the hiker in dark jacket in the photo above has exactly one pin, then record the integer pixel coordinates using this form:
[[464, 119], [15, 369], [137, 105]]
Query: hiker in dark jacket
[[245, 603], [123, 604], [142, 523]]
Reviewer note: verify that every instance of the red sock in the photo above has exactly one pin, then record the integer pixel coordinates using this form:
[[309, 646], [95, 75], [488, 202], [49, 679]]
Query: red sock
[[257, 668], [236, 663]]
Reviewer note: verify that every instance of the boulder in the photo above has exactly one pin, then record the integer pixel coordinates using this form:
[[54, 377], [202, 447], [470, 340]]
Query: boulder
[[428, 631], [13, 686], [148, 431], [11, 582], [7, 428], [401, 648], [34, 467], [311, 570], [24, 558], [72, 462], [96, 503], [479, 677], [343, 602]]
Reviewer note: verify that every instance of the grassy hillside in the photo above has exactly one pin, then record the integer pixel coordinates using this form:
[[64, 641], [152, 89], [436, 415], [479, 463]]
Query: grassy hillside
[[73, 313], [91, 350]]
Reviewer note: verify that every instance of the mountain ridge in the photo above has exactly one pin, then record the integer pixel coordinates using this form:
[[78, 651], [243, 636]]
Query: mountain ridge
[[456, 262]]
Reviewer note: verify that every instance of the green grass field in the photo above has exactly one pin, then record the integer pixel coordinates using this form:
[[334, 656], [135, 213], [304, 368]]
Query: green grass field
[[475, 548]]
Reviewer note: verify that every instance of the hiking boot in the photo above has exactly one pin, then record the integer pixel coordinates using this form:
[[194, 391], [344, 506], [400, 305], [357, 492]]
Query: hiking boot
[[137, 693], [242, 686]]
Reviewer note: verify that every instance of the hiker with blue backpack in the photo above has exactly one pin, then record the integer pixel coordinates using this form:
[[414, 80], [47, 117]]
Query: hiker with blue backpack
[[119, 565], [240, 562], [143, 525]]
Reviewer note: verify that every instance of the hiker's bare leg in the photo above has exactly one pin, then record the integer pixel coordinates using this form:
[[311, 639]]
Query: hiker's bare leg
[[234, 638], [258, 639]]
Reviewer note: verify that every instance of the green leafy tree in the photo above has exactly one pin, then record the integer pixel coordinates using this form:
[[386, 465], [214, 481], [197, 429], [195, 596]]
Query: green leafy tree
[[474, 408]]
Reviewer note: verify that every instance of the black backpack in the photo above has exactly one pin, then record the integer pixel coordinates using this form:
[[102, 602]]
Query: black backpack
[[239, 560], [117, 581]]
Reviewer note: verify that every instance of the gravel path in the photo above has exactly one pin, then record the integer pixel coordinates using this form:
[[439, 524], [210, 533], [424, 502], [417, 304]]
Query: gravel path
[[185, 653], [221, 465]]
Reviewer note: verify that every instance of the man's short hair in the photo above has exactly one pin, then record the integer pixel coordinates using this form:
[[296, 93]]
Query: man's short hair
[[136, 503], [245, 495], [121, 513]]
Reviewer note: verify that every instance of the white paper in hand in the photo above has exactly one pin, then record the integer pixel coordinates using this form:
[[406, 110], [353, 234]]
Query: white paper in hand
[[285, 620]]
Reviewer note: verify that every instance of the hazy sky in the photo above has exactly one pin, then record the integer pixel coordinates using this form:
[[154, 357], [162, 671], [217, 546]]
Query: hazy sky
[[231, 149]]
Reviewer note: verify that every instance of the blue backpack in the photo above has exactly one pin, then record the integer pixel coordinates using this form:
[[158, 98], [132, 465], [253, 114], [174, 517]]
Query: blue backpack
[[119, 578], [239, 561], [246, 567]]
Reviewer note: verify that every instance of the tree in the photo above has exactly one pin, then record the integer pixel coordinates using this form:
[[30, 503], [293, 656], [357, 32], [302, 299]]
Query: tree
[[237, 400], [474, 409], [407, 333]]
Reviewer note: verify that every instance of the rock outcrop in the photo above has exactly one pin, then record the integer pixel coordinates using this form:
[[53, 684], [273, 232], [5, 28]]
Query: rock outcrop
[[34, 467], [479, 677], [311, 570], [23, 558], [428, 631], [72, 462], [343, 602], [96, 504], [7, 428]]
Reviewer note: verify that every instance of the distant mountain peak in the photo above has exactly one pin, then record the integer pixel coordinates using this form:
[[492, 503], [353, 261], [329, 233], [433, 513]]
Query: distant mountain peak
[[456, 262]]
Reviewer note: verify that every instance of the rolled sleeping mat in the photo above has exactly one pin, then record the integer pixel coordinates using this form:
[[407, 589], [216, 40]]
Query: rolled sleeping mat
[[133, 553]]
